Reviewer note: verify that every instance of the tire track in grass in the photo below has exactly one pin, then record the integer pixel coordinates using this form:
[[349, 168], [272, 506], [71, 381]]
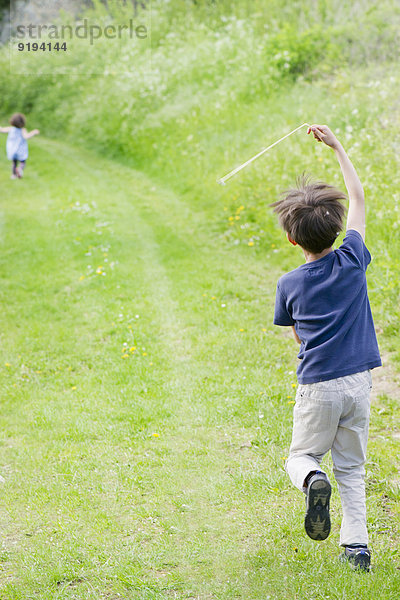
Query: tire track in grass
[[204, 454], [110, 187], [196, 471], [198, 459]]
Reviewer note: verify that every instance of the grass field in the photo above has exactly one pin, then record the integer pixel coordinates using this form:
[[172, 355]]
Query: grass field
[[146, 398]]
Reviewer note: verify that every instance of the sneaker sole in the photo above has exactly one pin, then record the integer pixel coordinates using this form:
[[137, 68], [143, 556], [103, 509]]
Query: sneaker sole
[[317, 521]]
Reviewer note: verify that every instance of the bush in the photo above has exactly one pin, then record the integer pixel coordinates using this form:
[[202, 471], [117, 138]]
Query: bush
[[295, 53]]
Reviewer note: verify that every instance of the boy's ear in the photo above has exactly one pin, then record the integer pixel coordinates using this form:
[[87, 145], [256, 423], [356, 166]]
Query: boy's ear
[[290, 240]]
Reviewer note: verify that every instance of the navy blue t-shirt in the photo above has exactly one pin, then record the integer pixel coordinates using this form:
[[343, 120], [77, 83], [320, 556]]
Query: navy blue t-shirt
[[327, 302]]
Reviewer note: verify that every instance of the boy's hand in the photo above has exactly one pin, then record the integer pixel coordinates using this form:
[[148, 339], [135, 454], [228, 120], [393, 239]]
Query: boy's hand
[[322, 133], [36, 131]]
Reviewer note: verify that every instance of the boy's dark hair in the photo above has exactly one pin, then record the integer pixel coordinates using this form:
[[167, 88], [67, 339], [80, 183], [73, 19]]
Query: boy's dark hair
[[18, 120], [311, 214]]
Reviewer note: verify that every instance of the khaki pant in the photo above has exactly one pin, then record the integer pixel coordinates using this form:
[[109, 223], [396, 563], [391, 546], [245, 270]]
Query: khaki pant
[[334, 415]]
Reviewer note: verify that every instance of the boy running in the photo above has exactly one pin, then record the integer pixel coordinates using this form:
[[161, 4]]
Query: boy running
[[325, 301]]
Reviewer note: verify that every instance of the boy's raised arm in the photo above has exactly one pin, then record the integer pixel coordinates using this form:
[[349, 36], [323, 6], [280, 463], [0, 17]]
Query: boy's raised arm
[[4, 129], [356, 212]]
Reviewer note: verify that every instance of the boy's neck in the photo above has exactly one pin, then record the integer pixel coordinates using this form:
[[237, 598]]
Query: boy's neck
[[310, 257]]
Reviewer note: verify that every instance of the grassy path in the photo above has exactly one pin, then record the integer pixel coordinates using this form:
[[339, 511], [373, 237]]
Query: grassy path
[[146, 403]]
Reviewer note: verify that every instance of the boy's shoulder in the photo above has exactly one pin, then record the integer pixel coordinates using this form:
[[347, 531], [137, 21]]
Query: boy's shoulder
[[290, 275], [354, 249], [288, 280]]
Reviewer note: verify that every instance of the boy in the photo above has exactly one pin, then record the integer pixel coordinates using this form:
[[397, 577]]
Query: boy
[[325, 302]]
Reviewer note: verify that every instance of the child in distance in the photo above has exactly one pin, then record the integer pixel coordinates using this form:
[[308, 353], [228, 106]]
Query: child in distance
[[17, 144]]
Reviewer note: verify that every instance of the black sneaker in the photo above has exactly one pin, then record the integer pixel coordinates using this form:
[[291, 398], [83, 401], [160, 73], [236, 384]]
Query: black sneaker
[[359, 557], [317, 521]]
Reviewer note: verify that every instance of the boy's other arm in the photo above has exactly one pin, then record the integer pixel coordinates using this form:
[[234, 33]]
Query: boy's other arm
[[4, 129], [29, 135], [296, 337], [356, 212]]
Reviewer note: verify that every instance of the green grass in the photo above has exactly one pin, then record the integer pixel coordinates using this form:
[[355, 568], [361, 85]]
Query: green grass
[[154, 473], [146, 397]]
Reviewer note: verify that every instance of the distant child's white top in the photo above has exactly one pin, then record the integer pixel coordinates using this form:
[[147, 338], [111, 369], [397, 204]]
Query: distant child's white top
[[17, 146]]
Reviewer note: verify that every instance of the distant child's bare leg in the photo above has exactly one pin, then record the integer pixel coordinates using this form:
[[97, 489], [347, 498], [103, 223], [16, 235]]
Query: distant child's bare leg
[[20, 169], [14, 174]]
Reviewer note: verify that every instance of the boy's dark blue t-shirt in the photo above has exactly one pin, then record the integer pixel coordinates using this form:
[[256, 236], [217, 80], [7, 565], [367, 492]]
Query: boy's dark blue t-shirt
[[327, 302]]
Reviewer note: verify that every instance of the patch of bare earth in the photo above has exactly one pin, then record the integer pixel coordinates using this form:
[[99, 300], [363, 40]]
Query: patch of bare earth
[[385, 380]]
